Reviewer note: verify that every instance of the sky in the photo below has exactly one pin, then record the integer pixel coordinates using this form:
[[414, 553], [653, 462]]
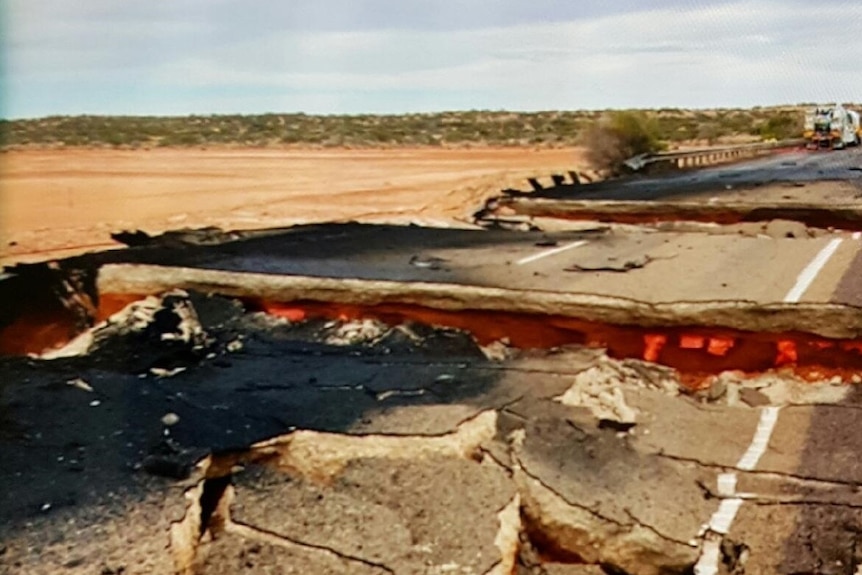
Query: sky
[[174, 57]]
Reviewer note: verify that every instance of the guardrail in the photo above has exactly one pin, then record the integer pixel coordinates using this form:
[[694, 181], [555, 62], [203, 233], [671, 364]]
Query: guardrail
[[709, 156]]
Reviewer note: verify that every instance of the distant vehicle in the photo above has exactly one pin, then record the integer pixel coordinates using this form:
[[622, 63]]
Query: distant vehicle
[[832, 127], [857, 125]]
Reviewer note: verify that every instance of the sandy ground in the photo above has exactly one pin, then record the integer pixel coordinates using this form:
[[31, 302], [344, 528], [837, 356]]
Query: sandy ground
[[57, 203]]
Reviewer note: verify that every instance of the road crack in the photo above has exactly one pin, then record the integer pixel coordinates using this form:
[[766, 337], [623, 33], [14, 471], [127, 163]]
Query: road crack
[[654, 530], [519, 466], [264, 536], [779, 502], [561, 528], [802, 479], [321, 456]]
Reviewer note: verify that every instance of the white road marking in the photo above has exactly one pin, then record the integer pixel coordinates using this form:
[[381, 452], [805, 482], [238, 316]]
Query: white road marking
[[553, 252], [710, 557], [765, 426], [727, 484], [857, 235], [722, 520], [809, 274]]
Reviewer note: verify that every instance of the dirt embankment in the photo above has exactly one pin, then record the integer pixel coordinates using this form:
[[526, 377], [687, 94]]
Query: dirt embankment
[[60, 202]]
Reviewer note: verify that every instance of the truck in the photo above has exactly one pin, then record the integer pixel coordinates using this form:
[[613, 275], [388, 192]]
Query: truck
[[833, 127]]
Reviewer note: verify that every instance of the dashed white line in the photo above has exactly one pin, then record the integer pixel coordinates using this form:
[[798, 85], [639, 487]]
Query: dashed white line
[[768, 419], [727, 484], [722, 520], [809, 274], [555, 251], [710, 557]]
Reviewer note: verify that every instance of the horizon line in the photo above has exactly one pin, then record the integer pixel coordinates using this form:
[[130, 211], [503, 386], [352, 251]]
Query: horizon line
[[426, 113]]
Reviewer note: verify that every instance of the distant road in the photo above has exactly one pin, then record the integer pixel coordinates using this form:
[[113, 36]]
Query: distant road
[[786, 168]]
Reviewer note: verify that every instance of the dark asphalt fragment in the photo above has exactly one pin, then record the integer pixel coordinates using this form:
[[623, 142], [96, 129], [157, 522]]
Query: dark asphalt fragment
[[67, 445], [613, 266], [428, 262]]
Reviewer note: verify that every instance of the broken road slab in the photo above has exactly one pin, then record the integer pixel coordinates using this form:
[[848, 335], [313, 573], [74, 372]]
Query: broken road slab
[[589, 494], [311, 419], [398, 515], [846, 216], [230, 554], [353, 444], [497, 259], [98, 445]]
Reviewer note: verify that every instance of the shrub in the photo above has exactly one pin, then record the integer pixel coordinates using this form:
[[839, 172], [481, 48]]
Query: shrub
[[782, 126], [605, 131], [618, 136]]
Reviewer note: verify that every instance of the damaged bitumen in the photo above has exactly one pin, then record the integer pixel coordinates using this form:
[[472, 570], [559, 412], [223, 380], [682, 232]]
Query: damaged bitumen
[[96, 443], [846, 216], [813, 190], [191, 434], [362, 448]]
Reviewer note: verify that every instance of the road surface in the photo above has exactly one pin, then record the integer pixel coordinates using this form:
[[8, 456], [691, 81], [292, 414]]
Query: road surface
[[790, 175], [401, 449], [646, 266], [412, 444]]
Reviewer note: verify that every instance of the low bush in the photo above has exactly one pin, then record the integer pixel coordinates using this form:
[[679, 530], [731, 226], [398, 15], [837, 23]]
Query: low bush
[[618, 136], [610, 135]]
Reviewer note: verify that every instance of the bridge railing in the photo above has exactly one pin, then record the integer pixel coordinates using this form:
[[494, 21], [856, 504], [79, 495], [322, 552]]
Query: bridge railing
[[710, 156]]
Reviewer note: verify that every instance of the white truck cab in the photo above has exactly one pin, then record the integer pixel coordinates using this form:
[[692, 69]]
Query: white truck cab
[[832, 127], [856, 126]]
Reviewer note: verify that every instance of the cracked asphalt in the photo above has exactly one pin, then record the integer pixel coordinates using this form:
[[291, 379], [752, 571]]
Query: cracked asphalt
[[223, 440], [676, 266], [422, 442], [791, 171]]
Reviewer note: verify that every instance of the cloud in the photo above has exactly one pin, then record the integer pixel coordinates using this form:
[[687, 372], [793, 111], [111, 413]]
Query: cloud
[[746, 51], [691, 53]]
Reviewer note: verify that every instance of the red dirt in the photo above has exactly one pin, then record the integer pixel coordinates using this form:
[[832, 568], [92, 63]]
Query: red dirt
[[696, 352], [817, 217], [46, 324], [35, 331]]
